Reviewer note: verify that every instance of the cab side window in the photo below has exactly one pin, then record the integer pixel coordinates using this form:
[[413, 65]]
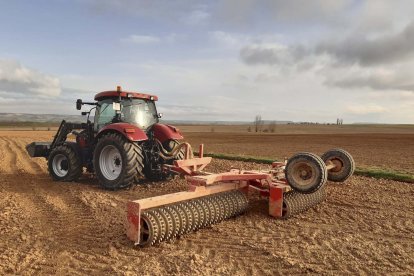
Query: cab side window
[[106, 115]]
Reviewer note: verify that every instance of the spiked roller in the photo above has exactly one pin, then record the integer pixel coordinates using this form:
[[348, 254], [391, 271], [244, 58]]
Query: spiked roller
[[173, 220], [292, 187]]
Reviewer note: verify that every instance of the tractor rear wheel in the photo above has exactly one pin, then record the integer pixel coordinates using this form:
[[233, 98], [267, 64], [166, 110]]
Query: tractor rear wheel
[[344, 164], [306, 172], [64, 164], [171, 144], [117, 161]]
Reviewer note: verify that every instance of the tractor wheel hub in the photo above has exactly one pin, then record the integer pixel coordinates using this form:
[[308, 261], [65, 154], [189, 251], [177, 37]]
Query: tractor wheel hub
[[110, 162]]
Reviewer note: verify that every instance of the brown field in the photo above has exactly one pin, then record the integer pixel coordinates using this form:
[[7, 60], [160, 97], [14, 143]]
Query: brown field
[[385, 147], [365, 226]]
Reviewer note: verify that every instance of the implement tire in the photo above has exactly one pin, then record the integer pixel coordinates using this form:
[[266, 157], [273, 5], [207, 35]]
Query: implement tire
[[64, 164], [117, 161], [306, 172], [345, 164]]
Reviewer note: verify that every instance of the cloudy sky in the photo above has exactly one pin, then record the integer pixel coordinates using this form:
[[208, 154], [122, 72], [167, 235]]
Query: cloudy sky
[[214, 60]]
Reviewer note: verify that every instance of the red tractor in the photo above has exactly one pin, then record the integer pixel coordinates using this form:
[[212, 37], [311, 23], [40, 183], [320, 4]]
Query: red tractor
[[124, 143]]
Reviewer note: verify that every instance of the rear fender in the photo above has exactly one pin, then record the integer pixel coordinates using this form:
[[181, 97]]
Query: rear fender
[[166, 132], [129, 131]]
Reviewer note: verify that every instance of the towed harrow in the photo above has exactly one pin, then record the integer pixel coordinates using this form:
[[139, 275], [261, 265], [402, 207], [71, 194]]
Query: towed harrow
[[291, 187]]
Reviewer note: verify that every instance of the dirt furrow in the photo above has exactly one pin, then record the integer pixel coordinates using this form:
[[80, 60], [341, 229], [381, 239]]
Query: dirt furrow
[[37, 163], [24, 161], [10, 158]]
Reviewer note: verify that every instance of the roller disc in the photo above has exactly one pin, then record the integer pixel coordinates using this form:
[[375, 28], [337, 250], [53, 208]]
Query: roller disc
[[295, 203], [242, 203], [189, 217], [217, 208], [206, 212], [182, 217], [195, 216], [229, 204], [221, 207], [150, 229], [162, 221], [212, 210], [173, 222], [198, 213]]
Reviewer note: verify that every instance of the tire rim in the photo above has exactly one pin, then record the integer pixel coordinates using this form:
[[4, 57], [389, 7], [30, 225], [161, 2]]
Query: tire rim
[[110, 162], [339, 164], [303, 173], [60, 165]]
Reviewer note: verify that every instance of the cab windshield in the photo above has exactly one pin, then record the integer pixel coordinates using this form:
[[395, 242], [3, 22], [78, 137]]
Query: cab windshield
[[139, 112]]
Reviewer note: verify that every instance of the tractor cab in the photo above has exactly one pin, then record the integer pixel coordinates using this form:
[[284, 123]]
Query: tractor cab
[[124, 107]]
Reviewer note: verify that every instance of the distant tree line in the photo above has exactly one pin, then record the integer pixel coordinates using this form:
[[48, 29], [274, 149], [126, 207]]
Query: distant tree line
[[258, 124]]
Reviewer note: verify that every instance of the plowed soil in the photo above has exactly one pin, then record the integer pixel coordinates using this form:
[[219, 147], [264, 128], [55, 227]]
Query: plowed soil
[[366, 226]]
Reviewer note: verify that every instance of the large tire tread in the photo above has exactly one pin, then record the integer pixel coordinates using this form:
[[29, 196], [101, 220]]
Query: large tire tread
[[346, 159], [134, 160], [170, 144], [75, 164], [322, 177]]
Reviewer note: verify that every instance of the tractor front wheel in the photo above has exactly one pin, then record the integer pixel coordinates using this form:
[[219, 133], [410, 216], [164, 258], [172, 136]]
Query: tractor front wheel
[[64, 164], [117, 161], [306, 172]]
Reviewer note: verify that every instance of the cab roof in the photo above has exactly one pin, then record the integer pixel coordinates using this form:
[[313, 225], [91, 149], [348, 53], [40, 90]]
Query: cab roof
[[124, 94]]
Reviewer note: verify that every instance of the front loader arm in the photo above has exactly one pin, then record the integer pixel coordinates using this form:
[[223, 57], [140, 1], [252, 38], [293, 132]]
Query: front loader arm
[[42, 149], [63, 131]]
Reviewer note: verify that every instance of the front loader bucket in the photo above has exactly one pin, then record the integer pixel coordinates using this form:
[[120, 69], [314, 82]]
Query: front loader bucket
[[38, 149]]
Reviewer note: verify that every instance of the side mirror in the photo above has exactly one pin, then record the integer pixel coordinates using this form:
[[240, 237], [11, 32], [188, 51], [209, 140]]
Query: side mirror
[[159, 115], [78, 104]]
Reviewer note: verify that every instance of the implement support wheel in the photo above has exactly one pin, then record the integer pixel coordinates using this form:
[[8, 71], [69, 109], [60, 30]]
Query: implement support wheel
[[306, 172], [344, 164]]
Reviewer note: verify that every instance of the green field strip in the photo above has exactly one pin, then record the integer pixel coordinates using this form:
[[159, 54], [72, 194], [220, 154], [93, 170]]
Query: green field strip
[[369, 172]]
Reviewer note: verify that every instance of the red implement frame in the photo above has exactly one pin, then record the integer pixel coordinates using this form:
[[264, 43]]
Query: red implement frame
[[269, 183]]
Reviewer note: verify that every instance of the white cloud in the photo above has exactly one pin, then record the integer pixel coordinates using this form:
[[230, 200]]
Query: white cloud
[[151, 39], [18, 79], [271, 54], [377, 78], [385, 49], [228, 40], [364, 109], [142, 39], [384, 62], [196, 17]]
